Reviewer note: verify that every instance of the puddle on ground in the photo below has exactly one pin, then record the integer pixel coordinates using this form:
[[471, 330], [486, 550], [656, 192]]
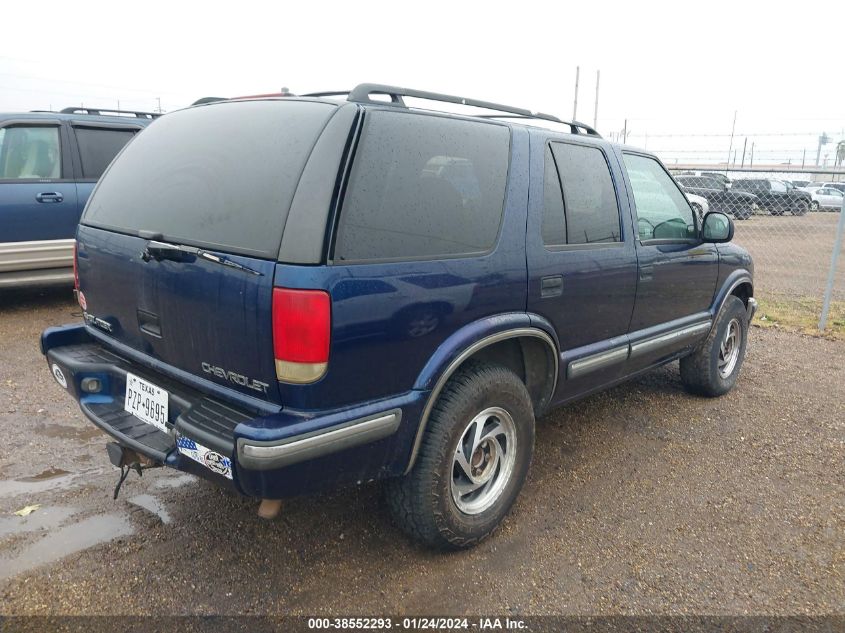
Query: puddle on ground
[[66, 541], [151, 504], [50, 473], [42, 519], [67, 432], [174, 481], [36, 484]]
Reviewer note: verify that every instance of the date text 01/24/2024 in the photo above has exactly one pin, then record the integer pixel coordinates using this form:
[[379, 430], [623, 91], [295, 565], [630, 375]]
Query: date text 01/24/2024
[[418, 623]]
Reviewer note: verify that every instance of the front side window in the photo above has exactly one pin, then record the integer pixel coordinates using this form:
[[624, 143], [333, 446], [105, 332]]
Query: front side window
[[423, 186], [589, 198], [30, 152], [662, 210], [98, 146], [778, 187], [712, 183]]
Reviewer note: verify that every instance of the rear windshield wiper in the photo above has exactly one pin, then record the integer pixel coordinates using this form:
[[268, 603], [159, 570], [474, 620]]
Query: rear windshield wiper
[[180, 253], [225, 261]]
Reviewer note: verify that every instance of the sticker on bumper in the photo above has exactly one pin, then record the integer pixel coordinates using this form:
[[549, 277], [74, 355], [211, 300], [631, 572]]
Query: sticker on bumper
[[59, 375], [212, 460]]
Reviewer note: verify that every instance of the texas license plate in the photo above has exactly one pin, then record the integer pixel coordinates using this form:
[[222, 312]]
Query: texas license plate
[[146, 401]]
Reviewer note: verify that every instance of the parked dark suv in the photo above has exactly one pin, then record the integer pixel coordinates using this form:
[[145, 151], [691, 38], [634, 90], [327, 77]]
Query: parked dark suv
[[739, 204], [776, 196], [49, 162], [288, 294]]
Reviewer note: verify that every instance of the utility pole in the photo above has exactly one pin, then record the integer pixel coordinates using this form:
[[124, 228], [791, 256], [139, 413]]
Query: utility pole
[[744, 144], [596, 113], [731, 144], [751, 164], [824, 139], [625, 133], [575, 105], [158, 99], [803, 158]]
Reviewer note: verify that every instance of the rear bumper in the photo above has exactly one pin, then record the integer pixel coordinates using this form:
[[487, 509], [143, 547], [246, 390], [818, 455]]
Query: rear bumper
[[281, 454]]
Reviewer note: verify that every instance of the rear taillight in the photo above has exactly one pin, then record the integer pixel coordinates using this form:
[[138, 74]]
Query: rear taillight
[[75, 268], [301, 333]]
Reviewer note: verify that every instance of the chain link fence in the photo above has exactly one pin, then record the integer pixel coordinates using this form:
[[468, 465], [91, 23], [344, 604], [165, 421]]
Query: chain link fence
[[789, 222]]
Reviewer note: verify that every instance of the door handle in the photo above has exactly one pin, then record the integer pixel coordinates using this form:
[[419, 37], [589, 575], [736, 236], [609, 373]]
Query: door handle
[[49, 196], [551, 286], [149, 323]]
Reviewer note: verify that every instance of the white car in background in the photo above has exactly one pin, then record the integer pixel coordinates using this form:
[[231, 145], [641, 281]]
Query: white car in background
[[699, 204], [826, 198]]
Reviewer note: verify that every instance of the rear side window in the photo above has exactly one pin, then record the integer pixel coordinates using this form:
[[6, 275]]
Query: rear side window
[[30, 152], [554, 218], [589, 198], [220, 175], [423, 186], [98, 147]]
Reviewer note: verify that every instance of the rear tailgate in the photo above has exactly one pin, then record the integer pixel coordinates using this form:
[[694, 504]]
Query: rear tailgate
[[218, 178]]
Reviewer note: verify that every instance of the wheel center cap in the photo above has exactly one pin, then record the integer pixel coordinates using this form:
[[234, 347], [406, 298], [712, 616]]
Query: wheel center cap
[[483, 461]]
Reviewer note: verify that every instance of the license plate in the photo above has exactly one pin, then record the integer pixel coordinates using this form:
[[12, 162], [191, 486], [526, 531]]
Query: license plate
[[146, 401]]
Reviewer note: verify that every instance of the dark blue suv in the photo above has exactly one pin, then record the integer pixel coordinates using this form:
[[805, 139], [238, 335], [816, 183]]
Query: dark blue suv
[[49, 162], [286, 294]]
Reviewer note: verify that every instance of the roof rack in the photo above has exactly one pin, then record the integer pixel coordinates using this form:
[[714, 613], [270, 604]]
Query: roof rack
[[109, 112], [361, 94]]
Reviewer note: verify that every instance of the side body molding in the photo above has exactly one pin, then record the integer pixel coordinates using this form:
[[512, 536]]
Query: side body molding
[[461, 346]]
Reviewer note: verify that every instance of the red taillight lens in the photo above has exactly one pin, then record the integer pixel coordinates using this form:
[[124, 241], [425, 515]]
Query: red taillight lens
[[75, 269], [301, 334]]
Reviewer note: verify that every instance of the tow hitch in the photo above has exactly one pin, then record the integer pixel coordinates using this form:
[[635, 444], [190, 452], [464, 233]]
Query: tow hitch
[[127, 459]]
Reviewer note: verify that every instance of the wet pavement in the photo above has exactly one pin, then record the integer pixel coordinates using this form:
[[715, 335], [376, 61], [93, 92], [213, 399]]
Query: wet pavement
[[640, 500]]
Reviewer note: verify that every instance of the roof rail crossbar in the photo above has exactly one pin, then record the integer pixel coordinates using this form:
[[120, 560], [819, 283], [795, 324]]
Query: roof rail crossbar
[[361, 94], [109, 111]]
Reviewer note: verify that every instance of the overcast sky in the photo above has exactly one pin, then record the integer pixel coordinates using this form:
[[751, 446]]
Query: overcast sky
[[675, 67]]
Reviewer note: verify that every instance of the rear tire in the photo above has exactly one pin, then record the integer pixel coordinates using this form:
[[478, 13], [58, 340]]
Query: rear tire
[[800, 209], [713, 367], [814, 205], [440, 503]]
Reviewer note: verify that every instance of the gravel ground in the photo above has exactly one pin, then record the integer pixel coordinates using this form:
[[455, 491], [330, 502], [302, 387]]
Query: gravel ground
[[641, 500]]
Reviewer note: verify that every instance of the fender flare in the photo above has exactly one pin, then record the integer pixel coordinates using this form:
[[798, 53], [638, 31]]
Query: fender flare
[[734, 280], [462, 345]]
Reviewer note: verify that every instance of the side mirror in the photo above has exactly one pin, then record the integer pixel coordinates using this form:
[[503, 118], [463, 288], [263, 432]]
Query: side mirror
[[717, 228]]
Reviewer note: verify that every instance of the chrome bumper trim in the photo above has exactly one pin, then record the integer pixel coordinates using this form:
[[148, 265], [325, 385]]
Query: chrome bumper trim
[[257, 455]]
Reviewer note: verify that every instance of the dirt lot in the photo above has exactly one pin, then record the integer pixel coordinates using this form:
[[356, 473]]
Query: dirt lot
[[792, 254], [640, 500]]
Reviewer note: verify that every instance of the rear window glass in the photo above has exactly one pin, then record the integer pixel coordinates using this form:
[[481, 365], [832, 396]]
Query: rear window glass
[[424, 186], [98, 147], [220, 176]]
